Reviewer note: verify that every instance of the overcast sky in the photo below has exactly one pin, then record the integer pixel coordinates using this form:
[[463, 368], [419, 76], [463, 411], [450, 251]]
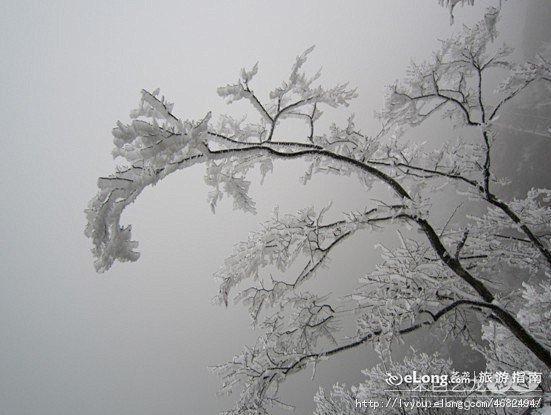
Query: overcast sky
[[137, 340]]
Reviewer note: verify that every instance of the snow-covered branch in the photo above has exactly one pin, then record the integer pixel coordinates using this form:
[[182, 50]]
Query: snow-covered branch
[[437, 277]]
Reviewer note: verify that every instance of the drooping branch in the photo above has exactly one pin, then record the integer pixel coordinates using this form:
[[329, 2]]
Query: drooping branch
[[156, 144], [289, 151]]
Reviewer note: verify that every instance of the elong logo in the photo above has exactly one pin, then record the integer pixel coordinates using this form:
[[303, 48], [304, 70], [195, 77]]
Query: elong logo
[[414, 378]]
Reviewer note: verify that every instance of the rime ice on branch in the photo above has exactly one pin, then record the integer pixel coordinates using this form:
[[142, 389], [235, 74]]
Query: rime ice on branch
[[441, 277]]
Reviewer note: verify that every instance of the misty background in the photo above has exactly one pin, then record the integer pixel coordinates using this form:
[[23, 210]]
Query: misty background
[[138, 339]]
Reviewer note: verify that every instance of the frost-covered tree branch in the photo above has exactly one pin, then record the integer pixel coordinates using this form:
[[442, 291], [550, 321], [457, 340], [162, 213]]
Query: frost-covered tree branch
[[441, 278]]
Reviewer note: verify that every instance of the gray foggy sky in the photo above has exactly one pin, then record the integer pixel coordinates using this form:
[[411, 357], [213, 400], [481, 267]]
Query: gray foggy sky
[[137, 340]]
